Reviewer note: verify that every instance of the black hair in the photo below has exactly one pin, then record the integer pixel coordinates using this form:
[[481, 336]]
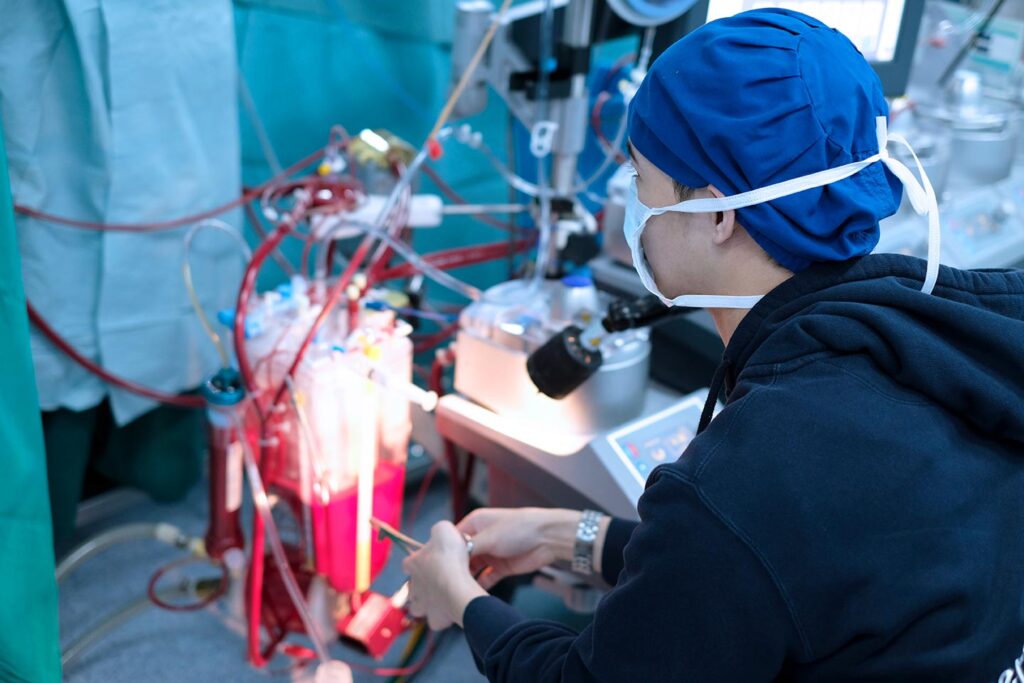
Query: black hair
[[684, 193]]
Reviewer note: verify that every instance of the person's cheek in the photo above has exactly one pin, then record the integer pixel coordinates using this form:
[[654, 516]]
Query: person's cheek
[[653, 241]]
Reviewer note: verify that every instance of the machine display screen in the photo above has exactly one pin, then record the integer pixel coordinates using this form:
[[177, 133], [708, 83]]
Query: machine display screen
[[661, 438], [872, 25]]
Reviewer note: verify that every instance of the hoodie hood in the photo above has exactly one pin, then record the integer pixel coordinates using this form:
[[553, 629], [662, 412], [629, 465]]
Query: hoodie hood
[[961, 347]]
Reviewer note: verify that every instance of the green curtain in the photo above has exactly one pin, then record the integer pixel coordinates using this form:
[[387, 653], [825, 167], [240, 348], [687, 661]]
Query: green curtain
[[29, 641]]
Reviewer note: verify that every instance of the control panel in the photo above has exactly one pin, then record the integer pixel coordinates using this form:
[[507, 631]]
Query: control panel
[[660, 438]]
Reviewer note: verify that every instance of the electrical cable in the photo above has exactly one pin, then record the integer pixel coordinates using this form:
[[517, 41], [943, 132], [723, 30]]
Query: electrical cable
[[186, 273]]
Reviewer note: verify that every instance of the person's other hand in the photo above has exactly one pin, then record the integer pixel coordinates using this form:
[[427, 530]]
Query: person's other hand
[[440, 585], [508, 542]]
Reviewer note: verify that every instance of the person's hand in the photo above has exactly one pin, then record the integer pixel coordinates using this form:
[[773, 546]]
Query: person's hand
[[440, 585], [507, 542]]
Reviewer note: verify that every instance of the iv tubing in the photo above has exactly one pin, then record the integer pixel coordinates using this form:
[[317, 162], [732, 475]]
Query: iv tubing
[[646, 49], [425, 267], [246, 291], [455, 197], [427, 400], [72, 652], [346, 277], [543, 184], [257, 227], [613, 150], [457, 258], [315, 461], [262, 505], [609, 158], [517, 182], [446, 111], [186, 274], [182, 401], [177, 222], [394, 223], [482, 209], [165, 533]]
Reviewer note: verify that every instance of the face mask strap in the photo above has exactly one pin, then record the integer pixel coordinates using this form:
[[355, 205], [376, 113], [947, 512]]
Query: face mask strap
[[920, 192], [923, 199], [769, 192]]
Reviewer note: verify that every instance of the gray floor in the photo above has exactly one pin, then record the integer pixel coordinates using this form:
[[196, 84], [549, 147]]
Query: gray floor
[[198, 646]]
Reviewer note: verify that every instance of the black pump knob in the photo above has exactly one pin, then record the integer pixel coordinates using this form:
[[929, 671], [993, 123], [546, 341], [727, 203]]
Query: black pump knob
[[563, 363]]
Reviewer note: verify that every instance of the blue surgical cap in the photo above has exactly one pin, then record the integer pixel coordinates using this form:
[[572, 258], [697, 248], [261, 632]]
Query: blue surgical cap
[[762, 97]]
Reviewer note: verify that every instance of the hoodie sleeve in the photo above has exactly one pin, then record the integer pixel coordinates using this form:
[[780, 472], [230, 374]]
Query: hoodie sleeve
[[692, 600], [615, 540]]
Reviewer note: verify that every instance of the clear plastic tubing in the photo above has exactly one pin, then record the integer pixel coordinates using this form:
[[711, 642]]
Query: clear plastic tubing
[[547, 27], [262, 504], [427, 400], [620, 135], [433, 272]]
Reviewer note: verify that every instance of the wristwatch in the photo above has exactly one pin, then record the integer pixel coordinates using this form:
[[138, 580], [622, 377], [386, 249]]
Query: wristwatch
[[583, 548]]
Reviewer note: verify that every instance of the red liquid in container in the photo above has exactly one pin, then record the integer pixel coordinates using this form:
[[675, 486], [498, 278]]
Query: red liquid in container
[[335, 527], [226, 460]]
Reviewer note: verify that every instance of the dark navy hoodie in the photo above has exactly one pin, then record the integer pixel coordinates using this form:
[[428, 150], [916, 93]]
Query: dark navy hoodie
[[854, 513]]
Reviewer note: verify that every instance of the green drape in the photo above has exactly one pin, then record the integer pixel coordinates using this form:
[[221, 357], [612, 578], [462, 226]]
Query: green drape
[[29, 641]]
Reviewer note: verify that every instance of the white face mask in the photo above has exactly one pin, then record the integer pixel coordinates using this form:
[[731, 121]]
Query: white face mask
[[922, 198]]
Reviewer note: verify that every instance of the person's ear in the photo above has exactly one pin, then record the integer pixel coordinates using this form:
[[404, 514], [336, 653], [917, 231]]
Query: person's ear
[[725, 221]]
